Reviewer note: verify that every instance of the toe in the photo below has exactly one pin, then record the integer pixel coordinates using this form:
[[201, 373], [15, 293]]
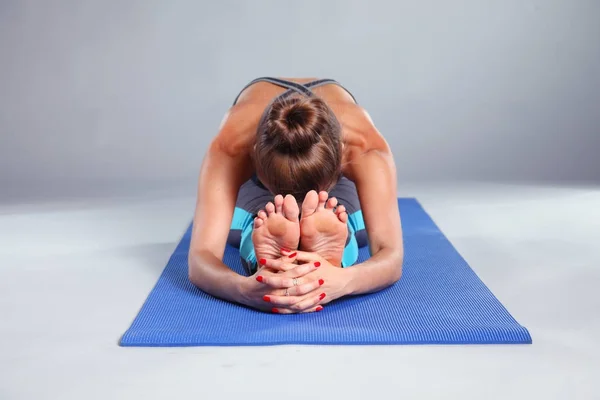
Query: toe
[[278, 204], [331, 203], [310, 203], [341, 213], [322, 198], [262, 214], [270, 209], [290, 208], [257, 222]]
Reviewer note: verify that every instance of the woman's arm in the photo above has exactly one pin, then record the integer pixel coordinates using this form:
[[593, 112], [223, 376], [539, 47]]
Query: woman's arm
[[376, 185], [373, 171], [221, 176]]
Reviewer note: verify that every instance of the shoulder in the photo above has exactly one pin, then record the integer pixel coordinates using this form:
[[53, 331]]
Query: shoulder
[[365, 148], [237, 131], [360, 131]]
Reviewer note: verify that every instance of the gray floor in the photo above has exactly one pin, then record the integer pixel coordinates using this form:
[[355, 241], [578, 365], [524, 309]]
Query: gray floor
[[73, 274]]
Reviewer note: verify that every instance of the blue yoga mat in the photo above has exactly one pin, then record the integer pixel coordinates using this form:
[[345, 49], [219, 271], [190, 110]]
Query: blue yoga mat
[[439, 300]]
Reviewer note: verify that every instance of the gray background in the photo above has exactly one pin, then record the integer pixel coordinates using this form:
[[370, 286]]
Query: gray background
[[98, 96], [106, 108]]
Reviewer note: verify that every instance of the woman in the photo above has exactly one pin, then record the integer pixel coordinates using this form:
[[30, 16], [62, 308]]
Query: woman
[[296, 176]]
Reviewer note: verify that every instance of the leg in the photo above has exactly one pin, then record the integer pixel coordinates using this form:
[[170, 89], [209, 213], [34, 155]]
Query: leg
[[323, 230], [252, 197], [346, 194], [276, 228], [334, 231]]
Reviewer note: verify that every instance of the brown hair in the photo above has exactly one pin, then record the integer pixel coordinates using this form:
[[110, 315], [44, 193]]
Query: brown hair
[[298, 147]]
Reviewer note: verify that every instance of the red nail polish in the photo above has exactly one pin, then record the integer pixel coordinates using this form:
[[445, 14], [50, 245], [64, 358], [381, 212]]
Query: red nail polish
[[319, 308], [322, 296], [262, 261], [275, 311], [321, 282], [285, 250], [293, 255], [317, 264], [259, 278], [267, 298]]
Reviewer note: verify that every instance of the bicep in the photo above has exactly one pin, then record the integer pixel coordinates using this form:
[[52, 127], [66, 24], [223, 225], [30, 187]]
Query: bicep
[[375, 178], [221, 176]]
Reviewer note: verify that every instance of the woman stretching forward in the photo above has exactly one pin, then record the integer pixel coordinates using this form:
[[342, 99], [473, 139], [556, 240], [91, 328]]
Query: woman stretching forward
[[299, 178]]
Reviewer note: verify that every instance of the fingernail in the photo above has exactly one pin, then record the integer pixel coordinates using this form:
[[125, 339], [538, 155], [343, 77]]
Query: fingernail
[[293, 255], [317, 264], [274, 310], [267, 298], [319, 308], [262, 261], [322, 296], [285, 250], [259, 278], [321, 282]]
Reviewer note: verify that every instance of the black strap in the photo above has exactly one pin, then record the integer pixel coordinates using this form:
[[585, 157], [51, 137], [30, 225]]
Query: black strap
[[294, 87], [291, 86], [322, 82]]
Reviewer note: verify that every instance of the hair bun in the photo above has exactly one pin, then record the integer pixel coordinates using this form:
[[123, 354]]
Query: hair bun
[[295, 123]]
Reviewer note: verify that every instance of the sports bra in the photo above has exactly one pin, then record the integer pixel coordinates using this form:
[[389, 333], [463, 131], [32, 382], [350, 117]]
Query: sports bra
[[292, 87]]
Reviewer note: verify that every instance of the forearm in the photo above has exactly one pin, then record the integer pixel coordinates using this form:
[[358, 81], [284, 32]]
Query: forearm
[[383, 269], [375, 177], [210, 275]]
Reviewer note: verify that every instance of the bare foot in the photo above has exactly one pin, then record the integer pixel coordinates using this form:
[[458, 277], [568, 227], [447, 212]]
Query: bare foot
[[323, 230], [277, 228]]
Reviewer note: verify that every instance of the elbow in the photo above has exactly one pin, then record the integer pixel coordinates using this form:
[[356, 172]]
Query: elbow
[[396, 265], [193, 268], [396, 275], [192, 276]]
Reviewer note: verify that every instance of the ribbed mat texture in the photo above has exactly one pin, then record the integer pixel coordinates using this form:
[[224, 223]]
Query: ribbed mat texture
[[439, 300]]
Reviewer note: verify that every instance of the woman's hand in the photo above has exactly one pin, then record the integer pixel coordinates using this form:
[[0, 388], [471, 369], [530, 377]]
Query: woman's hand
[[291, 290], [335, 278], [271, 281], [317, 282]]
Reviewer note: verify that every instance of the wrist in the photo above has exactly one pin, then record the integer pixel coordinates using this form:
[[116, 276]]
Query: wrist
[[240, 285], [349, 278]]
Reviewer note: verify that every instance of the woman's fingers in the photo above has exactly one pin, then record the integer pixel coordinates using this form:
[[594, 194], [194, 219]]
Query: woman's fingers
[[310, 302], [306, 256], [302, 269], [288, 279], [278, 265], [293, 293], [276, 310], [304, 288], [289, 269], [275, 281], [291, 256], [286, 305], [281, 301]]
